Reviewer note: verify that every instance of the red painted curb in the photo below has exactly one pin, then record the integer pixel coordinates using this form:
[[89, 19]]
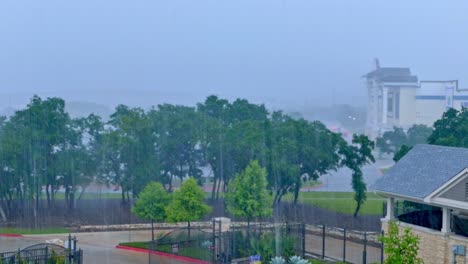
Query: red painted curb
[[164, 254], [11, 235]]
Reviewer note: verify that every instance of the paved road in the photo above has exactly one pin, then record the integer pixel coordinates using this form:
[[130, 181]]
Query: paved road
[[98, 247], [340, 180], [334, 249]]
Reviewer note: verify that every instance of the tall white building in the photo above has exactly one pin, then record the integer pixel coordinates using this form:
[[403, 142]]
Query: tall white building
[[398, 98]]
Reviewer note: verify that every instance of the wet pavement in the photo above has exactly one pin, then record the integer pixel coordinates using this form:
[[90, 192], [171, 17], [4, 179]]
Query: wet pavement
[[98, 247]]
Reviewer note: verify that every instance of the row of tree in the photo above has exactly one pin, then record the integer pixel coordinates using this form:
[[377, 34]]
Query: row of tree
[[186, 204], [44, 150], [248, 197], [391, 141], [450, 130]]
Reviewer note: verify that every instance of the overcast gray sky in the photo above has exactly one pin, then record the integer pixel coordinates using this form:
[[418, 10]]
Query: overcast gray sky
[[290, 53]]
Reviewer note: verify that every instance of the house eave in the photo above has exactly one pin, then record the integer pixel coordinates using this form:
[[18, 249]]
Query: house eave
[[399, 196]]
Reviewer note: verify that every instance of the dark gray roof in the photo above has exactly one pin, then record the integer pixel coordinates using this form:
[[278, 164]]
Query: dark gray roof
[[385, 71], [424, 169]]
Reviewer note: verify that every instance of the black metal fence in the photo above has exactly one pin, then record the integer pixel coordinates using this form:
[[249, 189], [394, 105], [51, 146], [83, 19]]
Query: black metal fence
[[44, 254], [266, 240], [343, 245], [189, 242], [239, 242]]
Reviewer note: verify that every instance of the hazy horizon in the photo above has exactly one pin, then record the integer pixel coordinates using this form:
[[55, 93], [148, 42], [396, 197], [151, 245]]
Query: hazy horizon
[[284, 54]]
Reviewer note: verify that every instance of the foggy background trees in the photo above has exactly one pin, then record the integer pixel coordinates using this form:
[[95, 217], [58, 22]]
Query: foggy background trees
[[45, 152]]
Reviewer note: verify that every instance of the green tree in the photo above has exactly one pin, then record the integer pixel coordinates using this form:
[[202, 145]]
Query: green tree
[[247, 194], [177, 130], [451, 129], [401, 152], [130, 155], [233, 134], [298, 150], [355, 157], [418, 134], [391, 141], [151, 204], [188, 203], [401, 248]]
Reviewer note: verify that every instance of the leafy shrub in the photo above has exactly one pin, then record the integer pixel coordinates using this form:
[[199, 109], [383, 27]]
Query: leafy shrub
[[297, 260], [401, 248], [278, 260]]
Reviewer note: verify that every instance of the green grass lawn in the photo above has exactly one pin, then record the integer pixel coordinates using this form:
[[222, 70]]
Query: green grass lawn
[[87, 196], [192, 252], [311, 183], [26, 231], [342, 202]]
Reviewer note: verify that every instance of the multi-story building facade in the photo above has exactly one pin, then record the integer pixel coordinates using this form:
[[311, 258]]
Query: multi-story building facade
[[397, 98]]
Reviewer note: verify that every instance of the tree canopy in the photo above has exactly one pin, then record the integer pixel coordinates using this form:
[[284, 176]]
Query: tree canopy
[[451, 129], [391, 141], [248, 195], [43, 148], [151, 203], [188, 203]]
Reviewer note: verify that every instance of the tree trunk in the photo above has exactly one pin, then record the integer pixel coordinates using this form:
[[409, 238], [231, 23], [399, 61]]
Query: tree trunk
[[296, 192], [48, 195], [123, 195], [189, 230], [357, 210], [218, 189], [213, 190], [152, 230], [170, 182]]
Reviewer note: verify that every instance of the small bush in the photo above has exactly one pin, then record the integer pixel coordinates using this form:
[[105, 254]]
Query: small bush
[[401, 248], [297, 260], [278, 260]]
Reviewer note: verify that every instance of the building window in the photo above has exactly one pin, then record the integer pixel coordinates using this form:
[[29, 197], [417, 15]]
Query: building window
[[390, 104], [397, 105]]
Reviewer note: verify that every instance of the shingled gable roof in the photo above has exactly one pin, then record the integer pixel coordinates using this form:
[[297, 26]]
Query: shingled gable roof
[[422, 171]]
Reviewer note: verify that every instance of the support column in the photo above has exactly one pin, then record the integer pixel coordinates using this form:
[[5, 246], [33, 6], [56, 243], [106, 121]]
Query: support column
[[445, 220], [384, 105], [390, 209]]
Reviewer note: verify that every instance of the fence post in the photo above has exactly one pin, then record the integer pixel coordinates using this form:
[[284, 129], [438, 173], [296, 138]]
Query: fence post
[[323, 241], [69, 247], [382, 248], [74, 243], [303, 239], [214, 241], [344, 245], [364, 253], [221, 243]]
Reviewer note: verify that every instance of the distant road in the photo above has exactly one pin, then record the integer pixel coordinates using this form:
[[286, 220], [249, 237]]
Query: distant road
[[340, 180]]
